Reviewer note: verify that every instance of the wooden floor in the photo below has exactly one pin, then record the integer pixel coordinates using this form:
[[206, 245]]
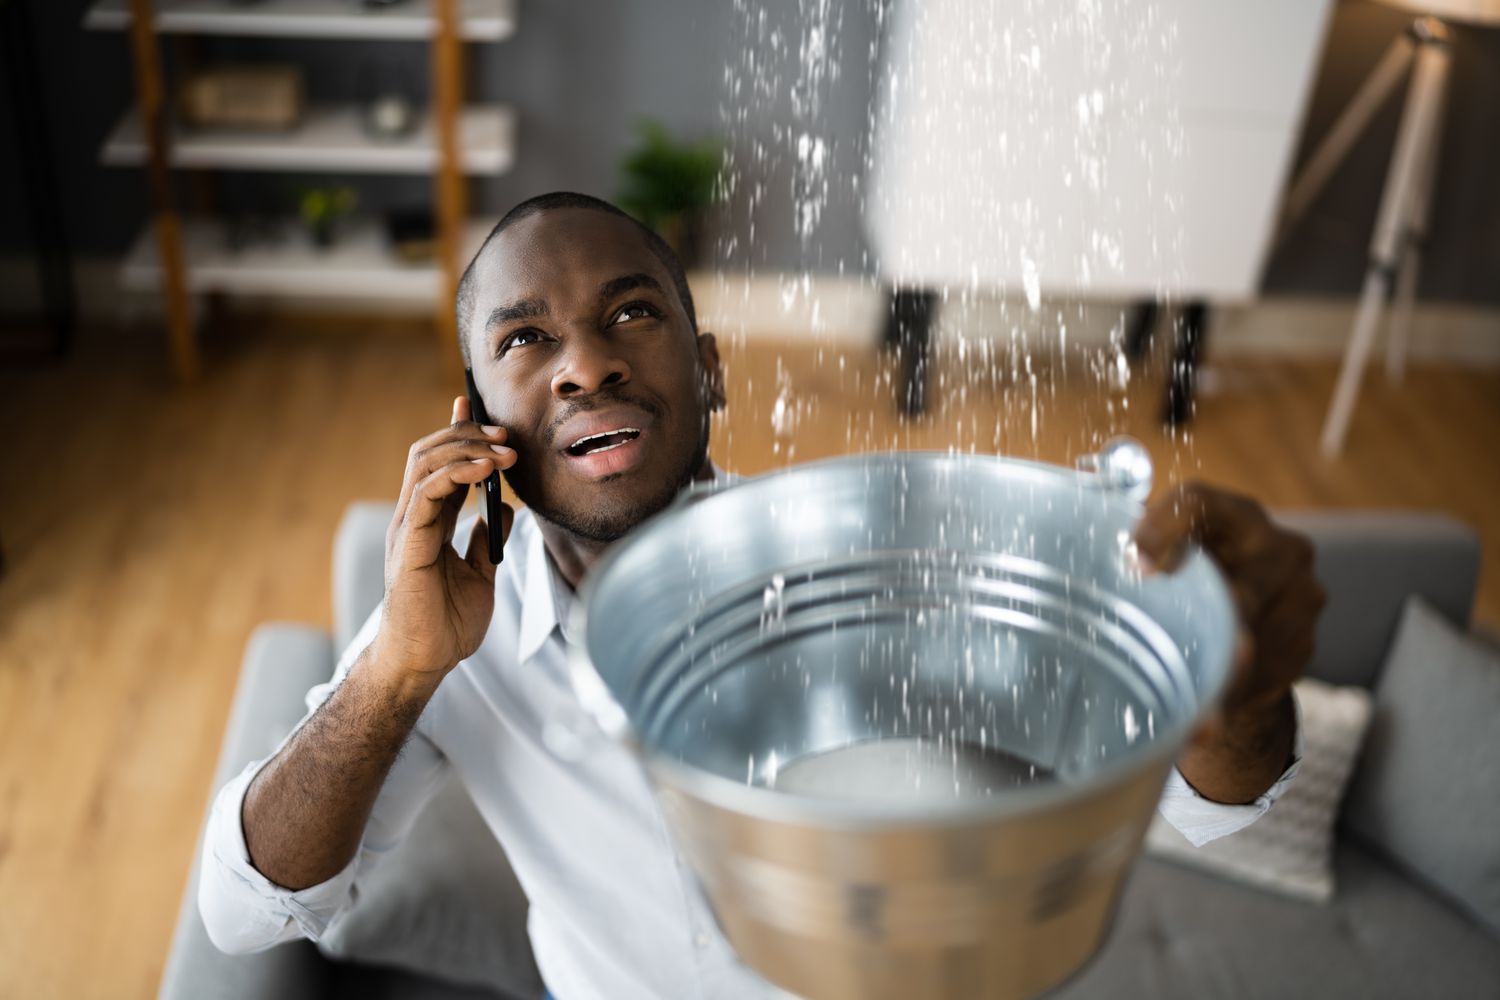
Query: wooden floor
[[150, 528]]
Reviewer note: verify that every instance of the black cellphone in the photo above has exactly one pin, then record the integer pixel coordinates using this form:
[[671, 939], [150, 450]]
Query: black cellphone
[[493, 505]]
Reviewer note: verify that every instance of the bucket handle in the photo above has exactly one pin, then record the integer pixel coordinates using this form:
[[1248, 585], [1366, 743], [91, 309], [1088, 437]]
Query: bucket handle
[[1122, 466]]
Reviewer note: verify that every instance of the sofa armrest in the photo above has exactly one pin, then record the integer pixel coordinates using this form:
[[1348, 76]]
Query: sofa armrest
[[1370, 562], [358, 566], [281, 663]]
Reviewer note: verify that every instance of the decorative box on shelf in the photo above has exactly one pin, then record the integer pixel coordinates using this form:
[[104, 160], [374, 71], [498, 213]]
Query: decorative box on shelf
[[252, 97]]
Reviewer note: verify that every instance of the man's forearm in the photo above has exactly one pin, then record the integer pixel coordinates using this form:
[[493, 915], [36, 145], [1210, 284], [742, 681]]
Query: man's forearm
[[305, 812], [1237, 759]]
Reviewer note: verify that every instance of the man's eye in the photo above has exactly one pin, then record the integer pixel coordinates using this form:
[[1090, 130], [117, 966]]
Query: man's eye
[[636, 310], [520, 338]]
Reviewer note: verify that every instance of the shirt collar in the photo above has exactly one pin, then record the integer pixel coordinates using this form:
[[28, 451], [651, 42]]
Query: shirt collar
[[546, 598]]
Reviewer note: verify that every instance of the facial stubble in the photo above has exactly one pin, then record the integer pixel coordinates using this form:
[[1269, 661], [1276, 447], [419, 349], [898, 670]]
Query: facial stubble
[[606, 526]]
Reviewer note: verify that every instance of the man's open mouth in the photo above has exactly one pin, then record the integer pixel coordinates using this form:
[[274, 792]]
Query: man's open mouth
[[606, 441]]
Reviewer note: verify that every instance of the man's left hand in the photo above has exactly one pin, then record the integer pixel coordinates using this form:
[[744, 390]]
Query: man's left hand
[[1246, 743]]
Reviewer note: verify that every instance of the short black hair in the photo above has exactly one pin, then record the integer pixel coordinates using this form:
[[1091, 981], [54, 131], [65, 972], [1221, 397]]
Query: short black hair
[[568, 199]]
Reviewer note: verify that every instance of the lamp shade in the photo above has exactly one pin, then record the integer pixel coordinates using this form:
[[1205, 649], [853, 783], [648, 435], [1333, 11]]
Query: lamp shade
[[1455, 11]]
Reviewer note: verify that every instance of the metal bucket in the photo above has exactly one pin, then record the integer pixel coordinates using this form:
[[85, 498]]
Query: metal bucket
[[908, 715]]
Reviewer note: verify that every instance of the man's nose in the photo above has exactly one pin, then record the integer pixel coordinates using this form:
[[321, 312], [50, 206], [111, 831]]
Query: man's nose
[[589, 364]]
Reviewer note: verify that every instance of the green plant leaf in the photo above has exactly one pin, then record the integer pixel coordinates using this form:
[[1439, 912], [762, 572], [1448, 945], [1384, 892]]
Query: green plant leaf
[[665, 179]]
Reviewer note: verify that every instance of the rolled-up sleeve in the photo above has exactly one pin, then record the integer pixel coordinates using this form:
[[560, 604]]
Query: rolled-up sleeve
[[1202, 820], [242, 910]]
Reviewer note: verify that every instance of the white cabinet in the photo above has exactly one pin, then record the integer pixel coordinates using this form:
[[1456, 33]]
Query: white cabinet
[[1120, 149]]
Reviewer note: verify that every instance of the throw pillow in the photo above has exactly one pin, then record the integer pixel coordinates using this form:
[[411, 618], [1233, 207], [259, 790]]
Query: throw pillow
[[1428, 789], [1289, 849]]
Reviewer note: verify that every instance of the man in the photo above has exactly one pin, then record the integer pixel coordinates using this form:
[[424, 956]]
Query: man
[[579, 326]]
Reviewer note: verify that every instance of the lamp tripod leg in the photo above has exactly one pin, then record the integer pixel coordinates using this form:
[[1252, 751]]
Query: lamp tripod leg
[[1346, 130], [1413, 139], [1411, 250], [1400, 326], [1346, 392]]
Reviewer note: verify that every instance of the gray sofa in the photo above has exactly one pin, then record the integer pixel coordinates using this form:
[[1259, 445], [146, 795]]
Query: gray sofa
[[1179, 933]]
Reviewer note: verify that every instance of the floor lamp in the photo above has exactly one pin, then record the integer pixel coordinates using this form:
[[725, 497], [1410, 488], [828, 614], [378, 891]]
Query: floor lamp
[[1400, 225]]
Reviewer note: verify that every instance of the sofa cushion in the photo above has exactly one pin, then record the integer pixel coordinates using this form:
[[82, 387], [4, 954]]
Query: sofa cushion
[[1427, 790], [444, 904], [1185, 934], [1289, 849]]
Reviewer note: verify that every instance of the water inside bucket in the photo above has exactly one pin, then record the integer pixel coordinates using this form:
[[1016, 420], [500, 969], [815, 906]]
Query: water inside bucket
[[904, 769], [959, 706]]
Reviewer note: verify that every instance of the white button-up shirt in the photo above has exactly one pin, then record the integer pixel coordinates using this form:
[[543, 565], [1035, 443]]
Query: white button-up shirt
[[615, 913]]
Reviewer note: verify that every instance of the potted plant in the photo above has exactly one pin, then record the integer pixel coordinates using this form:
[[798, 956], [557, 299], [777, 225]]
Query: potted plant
[[321, 208], [669, 186]]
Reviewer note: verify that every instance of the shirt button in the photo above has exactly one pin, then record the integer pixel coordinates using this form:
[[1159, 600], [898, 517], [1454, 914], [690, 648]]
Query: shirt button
[[700, 940]]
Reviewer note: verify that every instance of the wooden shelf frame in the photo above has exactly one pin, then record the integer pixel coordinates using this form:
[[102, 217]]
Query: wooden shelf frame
[[150, 140]]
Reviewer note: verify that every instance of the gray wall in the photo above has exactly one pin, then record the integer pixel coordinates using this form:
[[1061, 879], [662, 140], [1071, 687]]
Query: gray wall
[[581, 73]]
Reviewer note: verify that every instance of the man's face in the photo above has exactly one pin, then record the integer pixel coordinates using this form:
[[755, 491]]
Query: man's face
[[582, 350]]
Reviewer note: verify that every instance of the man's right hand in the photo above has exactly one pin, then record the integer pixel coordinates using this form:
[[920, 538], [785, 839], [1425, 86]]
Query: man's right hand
[[437, 604]]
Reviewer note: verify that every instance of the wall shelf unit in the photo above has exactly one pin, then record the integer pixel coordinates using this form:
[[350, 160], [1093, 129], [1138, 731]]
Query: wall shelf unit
[[187, 257]]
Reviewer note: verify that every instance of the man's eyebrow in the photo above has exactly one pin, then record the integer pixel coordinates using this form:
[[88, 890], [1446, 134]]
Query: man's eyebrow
[[627, 282], [522, 309]]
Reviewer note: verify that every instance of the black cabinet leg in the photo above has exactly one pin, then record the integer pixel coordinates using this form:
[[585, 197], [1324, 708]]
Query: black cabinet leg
[[908, 330], [1183, 376], [1139, 327]]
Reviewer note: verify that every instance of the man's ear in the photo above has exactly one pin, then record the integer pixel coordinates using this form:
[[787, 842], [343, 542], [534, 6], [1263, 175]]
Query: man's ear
[[711, 371]]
